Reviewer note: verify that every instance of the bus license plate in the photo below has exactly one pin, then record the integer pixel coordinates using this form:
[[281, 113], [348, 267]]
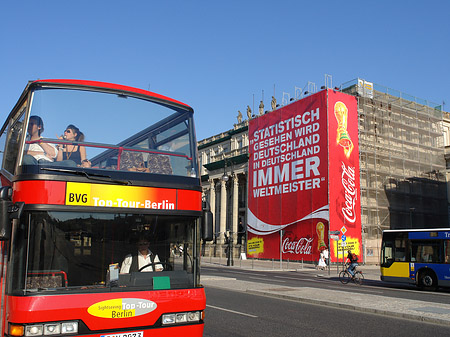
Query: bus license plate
[[126, 334]]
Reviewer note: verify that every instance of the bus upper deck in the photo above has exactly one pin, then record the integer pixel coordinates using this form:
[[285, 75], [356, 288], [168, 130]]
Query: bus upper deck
[[120, 129]]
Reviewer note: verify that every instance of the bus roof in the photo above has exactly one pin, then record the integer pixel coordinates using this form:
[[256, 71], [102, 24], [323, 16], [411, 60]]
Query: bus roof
[[106, 85], [416, 230]]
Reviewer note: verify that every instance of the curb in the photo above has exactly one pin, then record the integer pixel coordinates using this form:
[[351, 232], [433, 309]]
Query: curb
[[351, 307]]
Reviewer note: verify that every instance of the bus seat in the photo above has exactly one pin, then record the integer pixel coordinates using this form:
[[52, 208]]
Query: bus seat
[[159, 164], [132, 161], [46, 279]]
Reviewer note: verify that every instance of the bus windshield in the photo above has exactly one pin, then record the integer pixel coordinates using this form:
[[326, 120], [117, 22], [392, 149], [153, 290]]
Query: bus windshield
[[109, 131], [82, 252]]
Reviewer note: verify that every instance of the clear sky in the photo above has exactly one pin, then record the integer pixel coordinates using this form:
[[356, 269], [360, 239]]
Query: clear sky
[[220, 56]]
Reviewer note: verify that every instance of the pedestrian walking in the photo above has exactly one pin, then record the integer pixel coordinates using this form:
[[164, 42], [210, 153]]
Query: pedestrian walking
[[326, 256], [321, 265]]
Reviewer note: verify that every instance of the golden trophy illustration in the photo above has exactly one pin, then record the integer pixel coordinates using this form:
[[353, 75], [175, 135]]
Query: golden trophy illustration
[[343, 138], [320, 229]]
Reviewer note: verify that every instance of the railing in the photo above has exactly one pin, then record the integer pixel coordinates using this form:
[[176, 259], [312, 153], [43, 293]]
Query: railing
[[230, 154], [112, 148], [394, 93]]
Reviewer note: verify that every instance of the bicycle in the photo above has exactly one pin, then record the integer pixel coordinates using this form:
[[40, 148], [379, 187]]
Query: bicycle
[[345, 277]]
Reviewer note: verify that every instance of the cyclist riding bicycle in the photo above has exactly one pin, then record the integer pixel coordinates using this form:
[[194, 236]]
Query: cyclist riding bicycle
[[353, 262]]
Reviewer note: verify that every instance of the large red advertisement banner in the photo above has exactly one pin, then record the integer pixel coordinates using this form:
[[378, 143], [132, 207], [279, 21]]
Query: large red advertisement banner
[[304, 179], [288, 181], [343, 154]]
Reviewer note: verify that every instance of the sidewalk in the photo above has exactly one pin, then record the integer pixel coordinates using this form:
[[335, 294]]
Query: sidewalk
[[395, 307], [370, 272]]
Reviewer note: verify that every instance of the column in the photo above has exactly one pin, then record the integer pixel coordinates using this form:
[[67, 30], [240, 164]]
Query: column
[[212, 201], [235, 206], [223, 210]]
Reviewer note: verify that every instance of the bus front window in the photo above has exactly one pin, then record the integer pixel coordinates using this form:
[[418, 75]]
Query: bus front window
[[61, 251], [94, 130]]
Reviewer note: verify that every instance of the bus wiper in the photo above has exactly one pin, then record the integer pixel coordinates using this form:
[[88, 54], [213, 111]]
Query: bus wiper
[[91, 176]]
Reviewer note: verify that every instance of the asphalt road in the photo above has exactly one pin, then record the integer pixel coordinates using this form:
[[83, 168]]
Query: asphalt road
[[313, 279], [234, 313]]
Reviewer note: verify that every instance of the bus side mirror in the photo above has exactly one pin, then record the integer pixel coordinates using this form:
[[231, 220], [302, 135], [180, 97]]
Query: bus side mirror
[[207, 223], [5, 220]]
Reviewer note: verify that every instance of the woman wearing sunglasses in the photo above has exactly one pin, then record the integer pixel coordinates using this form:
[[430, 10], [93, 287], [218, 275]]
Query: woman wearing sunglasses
[[76, 153]]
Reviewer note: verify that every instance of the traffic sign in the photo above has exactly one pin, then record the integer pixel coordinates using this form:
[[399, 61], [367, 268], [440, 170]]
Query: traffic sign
[[334, 237], [343, 244], [335, 232], [343, 238]]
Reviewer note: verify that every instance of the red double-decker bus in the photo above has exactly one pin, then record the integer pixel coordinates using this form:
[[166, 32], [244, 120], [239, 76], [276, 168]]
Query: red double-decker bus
[[101, 213]]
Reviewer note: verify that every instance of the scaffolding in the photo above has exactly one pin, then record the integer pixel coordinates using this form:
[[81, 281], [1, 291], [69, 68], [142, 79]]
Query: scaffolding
[[402, 165]]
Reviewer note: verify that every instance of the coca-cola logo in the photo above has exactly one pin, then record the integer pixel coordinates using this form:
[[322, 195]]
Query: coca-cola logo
[[350, 193], [302, 246]]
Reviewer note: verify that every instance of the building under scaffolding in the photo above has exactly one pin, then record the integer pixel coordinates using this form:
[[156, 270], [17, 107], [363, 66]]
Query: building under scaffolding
[[402, 163], [402, 166]]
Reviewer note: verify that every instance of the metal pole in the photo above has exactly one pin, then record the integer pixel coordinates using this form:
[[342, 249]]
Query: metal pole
[[337, 250], [281, 249]]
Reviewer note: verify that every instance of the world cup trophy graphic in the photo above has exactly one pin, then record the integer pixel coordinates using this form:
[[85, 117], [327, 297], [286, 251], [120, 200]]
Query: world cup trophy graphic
[[343, 138], [320, 229]]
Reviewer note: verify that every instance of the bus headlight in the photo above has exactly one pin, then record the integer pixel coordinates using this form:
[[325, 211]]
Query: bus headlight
[[69, 327], [52, 329], [181, 317], [194, 316], [34, 330], [46, 329]]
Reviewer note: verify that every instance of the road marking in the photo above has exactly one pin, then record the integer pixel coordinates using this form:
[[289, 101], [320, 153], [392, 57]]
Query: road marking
[[264, 279], [290, 278], [371, 292], [232, 311], [240, 272]]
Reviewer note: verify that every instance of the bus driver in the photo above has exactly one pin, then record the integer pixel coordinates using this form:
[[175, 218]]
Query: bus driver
[[142, 258]]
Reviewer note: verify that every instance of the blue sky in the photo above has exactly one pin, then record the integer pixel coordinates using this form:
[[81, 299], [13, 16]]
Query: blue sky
[[220, 56]]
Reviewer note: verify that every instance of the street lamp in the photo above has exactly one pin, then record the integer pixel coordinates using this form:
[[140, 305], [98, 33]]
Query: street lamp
[[225, 176], [230, 261], [229, 237]]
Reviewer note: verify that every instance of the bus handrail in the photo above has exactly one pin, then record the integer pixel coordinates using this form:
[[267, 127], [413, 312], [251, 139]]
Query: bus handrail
[[120, 149], [107, 146]]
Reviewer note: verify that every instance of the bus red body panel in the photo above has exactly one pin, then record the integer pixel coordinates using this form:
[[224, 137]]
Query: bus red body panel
[[45, 192], [90, 309], [185, 330], [40, 192]]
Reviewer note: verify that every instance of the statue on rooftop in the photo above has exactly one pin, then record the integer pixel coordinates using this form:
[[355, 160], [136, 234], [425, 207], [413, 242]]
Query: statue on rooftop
[[249, 112], [261, 108]]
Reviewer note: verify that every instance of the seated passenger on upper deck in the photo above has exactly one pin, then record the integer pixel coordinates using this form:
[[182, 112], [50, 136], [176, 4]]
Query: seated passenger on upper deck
[[77, 153], [38, 152]]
